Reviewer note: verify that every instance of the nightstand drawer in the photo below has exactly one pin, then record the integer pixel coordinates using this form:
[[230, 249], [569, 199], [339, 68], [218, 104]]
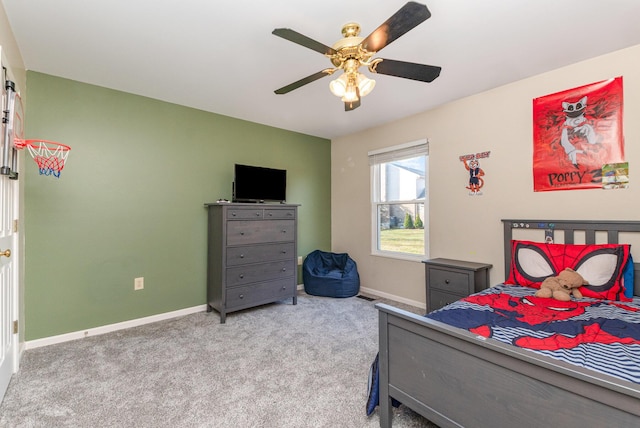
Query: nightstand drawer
[[439, 299], [449, 281]]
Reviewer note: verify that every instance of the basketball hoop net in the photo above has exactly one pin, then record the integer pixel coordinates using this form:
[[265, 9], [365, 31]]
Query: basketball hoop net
[[49, 155]]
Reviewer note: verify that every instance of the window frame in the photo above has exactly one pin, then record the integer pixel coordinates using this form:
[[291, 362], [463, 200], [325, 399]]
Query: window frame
[[376, 159]]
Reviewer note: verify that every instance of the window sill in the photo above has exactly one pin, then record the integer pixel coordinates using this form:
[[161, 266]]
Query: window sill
[[418, 258]]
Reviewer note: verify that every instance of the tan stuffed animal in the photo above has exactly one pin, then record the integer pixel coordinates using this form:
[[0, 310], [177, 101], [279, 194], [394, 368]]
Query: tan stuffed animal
[[561, 287]]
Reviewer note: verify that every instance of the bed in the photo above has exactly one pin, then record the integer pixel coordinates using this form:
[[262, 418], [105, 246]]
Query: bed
[[456, 378]]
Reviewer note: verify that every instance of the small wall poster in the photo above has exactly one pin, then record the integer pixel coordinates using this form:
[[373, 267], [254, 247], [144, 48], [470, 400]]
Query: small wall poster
[[615, 175], [476, 173], [575, 133]]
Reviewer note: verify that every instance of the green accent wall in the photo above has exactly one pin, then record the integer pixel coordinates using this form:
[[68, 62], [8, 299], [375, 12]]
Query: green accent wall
[[130, 201]]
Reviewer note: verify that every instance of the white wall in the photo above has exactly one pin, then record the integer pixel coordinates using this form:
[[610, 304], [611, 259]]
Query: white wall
[[11, 52], [468, 227]]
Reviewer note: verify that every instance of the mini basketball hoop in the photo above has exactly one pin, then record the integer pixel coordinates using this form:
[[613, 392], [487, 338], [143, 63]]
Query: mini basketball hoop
[[49, 155]]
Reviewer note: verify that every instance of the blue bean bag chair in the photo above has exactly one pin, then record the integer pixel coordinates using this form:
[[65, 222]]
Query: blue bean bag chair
[[330, 274]]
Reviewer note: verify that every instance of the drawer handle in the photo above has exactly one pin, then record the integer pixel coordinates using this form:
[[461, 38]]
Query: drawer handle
[[446, 281], [284, 269], [241, 276], [270, 214], [258, 214], [241, 296], [242, 256], [284, 251], [284, 287], [284, 231], [241, 233], [233, 214]]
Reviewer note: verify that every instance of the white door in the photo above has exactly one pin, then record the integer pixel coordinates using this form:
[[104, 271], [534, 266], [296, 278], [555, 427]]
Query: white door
[[9, 201], [8, 294]]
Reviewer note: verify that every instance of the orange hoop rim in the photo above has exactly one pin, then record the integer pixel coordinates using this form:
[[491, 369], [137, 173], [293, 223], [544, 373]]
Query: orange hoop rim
[[21, 144]]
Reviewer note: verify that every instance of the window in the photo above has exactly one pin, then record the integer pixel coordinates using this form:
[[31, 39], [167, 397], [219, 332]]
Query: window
[[399, 188]]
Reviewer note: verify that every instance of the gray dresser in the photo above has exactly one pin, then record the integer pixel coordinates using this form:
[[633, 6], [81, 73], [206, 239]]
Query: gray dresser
[[252, 256]]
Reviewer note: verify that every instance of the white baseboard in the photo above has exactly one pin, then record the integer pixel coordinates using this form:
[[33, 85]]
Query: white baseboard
[[52, 340], [31, 344], [382, 294], [386, 296]]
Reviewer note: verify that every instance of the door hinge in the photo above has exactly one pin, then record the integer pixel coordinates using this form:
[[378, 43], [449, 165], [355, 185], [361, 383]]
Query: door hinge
[[15, 226], [15, 327]]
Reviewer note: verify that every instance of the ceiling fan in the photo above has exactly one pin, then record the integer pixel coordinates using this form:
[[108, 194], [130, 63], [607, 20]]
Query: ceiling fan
[[351, 52]]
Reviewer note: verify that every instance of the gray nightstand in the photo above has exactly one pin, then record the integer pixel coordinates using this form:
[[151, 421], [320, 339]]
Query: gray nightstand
[[449, 280]]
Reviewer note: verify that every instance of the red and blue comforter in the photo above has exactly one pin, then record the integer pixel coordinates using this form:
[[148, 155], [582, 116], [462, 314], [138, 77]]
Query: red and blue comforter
[[601, 335]]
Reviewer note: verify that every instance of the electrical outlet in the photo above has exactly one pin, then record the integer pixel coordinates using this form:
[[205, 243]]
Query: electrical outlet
[[299, 260], [138, 283]]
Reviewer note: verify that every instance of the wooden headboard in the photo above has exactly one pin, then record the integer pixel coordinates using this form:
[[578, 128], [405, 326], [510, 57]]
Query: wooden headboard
[[590, 230]]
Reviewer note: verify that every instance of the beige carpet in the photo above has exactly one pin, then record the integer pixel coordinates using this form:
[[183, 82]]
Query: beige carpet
[[277, 366]]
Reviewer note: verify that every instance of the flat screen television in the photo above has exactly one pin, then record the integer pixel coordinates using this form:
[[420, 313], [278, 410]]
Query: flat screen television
[[258, 184]]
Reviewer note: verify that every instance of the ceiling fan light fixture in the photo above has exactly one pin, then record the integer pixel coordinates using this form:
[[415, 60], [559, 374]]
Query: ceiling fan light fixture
[[365, 85], [338, 86], [341, 87], [351, 94]]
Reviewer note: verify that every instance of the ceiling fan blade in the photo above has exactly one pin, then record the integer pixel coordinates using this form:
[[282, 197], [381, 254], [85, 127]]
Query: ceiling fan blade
[[351, 105], [302, 82], [406, 18], [301, 39], [407, 70]]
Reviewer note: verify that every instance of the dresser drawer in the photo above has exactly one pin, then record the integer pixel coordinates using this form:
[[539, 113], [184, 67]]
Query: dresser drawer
[[259, 253], [256, 294], [245, 213], [279, 214], [247, 274], [449, 281], [255, 232]]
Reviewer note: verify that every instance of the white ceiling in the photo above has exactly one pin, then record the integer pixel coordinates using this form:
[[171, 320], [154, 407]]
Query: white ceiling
[[220, 55]]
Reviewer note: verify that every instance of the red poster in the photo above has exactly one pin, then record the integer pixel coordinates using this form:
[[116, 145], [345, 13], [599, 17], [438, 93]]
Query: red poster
[[575, 133]]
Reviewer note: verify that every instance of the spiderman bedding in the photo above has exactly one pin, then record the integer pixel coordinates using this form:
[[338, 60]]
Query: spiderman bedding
[[601, 335]]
